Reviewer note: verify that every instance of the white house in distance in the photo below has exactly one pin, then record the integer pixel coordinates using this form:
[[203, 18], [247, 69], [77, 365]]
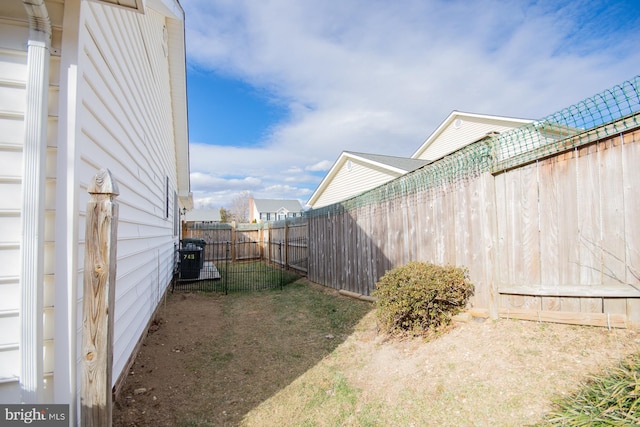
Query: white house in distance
[[203, 215], [264, 210], [85, 85], [355, 173], [461, 129]]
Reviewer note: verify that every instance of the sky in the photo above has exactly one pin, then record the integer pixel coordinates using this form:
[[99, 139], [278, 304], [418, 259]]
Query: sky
[[277, 89]]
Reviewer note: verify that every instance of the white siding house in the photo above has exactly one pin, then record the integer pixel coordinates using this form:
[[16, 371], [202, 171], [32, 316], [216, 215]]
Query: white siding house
[[203, 216], [461, 129], [264, 210], [354, 173], [85, 85]]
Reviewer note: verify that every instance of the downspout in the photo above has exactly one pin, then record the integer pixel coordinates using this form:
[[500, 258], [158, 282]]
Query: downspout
[[33, 189]]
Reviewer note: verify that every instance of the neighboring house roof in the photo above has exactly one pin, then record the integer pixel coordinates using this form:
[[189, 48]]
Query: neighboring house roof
[[354, 173], [461, 129], [275, 205], [203, 215]]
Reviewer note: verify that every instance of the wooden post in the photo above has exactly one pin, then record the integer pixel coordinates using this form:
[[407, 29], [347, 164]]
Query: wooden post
[[98, 300], [233, 241], [285, 255], [270, 257], [184, 229]]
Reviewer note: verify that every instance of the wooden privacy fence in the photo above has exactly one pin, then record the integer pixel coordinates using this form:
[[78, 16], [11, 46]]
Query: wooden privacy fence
[[266, 239], [555, 238]]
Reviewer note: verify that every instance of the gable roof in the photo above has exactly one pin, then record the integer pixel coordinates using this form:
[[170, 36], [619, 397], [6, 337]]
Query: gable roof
[[461, 129], [394, 165], [275, 205], [400, 164]]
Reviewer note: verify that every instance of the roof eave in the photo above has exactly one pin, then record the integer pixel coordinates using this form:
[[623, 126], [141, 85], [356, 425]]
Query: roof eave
[[178, 82]]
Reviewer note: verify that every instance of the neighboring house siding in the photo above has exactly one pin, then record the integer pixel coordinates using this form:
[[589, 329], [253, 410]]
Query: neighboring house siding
[[127, 126], [454, 137], [348, 183], [13, 74]]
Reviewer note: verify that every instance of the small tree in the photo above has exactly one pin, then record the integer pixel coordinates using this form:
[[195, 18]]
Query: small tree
[[225, 215], [240, 207]]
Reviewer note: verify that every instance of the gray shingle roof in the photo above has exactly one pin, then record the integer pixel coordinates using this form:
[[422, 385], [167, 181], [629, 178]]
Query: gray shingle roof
[[274, 205], [404, 163]]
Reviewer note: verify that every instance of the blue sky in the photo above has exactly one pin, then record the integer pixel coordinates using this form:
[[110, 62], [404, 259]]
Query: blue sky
[[279, 88]]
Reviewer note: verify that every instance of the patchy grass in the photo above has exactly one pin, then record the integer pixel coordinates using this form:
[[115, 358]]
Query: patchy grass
[[307, 356]]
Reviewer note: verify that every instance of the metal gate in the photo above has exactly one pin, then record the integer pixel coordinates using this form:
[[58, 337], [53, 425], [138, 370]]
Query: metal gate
[[229, 266]]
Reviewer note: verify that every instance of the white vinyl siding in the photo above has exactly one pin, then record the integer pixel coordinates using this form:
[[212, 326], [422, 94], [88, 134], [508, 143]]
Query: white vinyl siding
[[13, 66], [349, 182], [127, 127], [469, 129], [13, 72]]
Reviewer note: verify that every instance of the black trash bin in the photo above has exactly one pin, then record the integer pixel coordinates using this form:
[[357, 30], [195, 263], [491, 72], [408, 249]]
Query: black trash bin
[[190, 262], [201, 243]]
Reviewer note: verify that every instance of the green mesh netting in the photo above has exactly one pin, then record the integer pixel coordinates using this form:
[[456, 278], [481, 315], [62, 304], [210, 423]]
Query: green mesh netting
[[608, 113], [605, 114]]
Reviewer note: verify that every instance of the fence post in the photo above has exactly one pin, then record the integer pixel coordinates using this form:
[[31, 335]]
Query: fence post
[[233, 241], [269, 242], [285, 256], [280, 269], [98, 300], [261, 242]]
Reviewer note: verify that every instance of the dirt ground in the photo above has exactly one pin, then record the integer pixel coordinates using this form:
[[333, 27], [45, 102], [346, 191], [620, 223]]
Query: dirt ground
[[212, 359]]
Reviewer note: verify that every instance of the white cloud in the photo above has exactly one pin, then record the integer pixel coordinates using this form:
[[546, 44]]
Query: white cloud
[[379, 76], [322, 166]]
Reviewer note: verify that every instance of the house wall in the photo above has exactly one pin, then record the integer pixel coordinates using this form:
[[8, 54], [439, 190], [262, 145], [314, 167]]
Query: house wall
[[14, 31], [350, 182], [125, 124], [109, 107], [457, 135]]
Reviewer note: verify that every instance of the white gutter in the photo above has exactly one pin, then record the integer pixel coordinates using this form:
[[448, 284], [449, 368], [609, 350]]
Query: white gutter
[[33, 188]]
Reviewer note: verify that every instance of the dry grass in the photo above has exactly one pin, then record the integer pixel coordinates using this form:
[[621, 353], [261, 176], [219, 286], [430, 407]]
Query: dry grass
[[307, 356]]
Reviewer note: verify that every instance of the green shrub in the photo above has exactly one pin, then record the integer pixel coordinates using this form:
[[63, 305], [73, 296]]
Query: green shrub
[[418, 298]]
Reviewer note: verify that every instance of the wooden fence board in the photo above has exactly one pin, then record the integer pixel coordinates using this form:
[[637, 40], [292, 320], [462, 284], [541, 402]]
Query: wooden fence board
[[514, 226], [428, 236], [591, 305], [449, 215], [633, 311], [461, 233], [489, 225], [613, 241], [631, 192], [567, 214], [550, 303], [530, 226], [614, 305], [549, 222], [504, 245], [589, 218]]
